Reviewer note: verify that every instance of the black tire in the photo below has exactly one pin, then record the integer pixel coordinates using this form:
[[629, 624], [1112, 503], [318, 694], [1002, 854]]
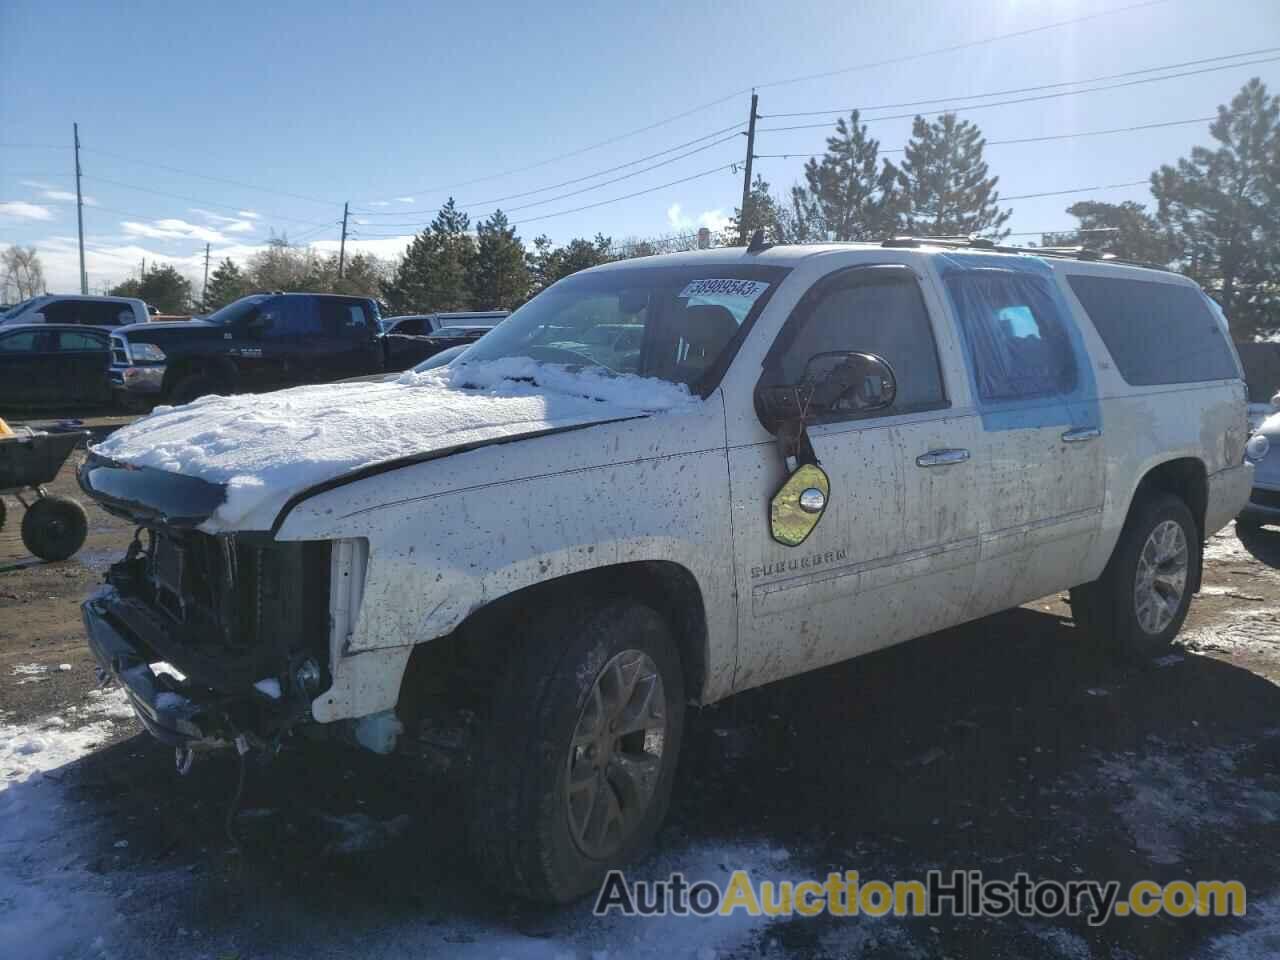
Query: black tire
[[193, 388], [519, 823], [54, 528], [1107, 609]]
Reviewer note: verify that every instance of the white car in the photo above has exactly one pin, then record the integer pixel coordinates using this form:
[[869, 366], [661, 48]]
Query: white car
[[73, 308], [526, 566]]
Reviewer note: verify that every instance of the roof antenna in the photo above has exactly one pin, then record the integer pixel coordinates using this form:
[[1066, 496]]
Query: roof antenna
[[757, 244]]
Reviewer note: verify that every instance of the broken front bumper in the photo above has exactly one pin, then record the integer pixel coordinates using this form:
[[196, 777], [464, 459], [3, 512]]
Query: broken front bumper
[[168, 714]]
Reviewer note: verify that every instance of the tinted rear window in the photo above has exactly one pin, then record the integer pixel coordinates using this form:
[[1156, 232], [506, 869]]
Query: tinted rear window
[[1156, 332]]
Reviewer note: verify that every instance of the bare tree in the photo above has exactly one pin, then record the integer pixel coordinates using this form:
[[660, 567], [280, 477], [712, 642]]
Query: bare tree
[[21, 272]]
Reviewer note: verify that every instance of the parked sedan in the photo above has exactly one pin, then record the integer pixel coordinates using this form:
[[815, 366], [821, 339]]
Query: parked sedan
[[403, 352], [53, 364]]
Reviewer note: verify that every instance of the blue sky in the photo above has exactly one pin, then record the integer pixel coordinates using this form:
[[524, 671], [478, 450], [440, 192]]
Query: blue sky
[[394, 106]]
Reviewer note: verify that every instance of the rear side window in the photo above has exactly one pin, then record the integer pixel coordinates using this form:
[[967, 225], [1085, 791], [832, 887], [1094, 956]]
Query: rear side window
[[867, 311], [81, 340], [61, 311], [297, 317], [342, 318], [105, 313], [1014, 333], [1156, 332], [24, 342]]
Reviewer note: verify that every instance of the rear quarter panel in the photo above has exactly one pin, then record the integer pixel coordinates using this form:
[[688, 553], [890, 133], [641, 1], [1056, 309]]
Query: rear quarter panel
[[1145, 426]]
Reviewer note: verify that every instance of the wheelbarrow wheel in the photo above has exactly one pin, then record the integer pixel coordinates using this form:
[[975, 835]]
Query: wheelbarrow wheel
[[54, 527]]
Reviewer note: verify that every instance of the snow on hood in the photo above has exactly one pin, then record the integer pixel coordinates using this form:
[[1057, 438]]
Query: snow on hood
[[265, 448]]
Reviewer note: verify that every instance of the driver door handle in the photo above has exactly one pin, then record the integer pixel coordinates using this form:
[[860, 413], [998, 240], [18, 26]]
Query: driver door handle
[[941, 458], [1081, 434]]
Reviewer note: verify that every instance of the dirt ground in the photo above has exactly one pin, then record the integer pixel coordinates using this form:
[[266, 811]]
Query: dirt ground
[[1001, 745]]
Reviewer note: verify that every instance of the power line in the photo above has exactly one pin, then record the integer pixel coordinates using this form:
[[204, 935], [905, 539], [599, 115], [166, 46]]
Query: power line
[[1043, 96], [1062, 193], [1041, 139], [592, 206], [776, 83], [1041, 86], [967, 45], [566, 183], [204, 203], [205, 176], [572, 193]]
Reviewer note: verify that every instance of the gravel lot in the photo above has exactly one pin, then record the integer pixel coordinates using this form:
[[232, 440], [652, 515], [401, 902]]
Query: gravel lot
[[1000, 745]]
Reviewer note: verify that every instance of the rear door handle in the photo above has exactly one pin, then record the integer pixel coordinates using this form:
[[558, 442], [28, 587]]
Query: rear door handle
[[1081, 434], [941, 458]]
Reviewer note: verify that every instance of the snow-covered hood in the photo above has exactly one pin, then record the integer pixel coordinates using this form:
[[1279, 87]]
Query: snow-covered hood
[[261, 450]]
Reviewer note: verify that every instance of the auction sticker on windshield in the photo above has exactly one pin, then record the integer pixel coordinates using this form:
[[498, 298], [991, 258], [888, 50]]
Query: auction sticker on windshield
[[751, 289]]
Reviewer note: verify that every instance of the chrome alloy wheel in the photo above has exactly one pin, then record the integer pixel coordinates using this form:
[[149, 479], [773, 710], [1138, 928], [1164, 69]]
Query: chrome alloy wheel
[[615, 757], [1162, 577]]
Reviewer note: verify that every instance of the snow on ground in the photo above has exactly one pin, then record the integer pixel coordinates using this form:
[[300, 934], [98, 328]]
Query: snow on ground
[[50, 903], [1167, 798], [267, 447], [1259, 938], [1225, 546], [1243, 630], [53, 904]]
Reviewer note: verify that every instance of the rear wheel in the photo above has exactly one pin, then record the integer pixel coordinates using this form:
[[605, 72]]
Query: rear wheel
[[1137, 606], [573, 772], [54, 527]]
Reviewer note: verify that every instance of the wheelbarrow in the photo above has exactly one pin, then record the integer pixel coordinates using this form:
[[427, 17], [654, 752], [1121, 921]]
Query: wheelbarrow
[[54, 527]]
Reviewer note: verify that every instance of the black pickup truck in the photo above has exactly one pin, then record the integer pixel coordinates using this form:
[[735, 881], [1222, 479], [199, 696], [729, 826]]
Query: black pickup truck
[[260, 342]]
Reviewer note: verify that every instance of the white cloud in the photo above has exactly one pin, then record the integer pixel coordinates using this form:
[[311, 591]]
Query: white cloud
[[231, 224], [172, 229], [108, 260], [712, 219], [50, 192], [248, 214], [378, 203], [21, 210], [405, 200], [66, 196]]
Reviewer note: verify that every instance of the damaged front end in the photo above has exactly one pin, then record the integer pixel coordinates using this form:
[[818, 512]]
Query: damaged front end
[[216, 638]]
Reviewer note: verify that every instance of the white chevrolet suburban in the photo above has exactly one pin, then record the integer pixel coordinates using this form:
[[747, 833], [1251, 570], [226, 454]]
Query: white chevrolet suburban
[[527, 564]]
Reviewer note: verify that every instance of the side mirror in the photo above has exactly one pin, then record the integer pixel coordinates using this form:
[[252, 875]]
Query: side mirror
[[835, 382]]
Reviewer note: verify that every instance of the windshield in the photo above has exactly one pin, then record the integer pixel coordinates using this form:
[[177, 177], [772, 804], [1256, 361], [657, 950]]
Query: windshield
[[676, 323], [237, 309], [20, 307]]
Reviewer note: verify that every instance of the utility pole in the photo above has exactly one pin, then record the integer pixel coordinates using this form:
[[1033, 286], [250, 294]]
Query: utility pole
[[746, 174], [84, 277], [204, 291], [342, 245]]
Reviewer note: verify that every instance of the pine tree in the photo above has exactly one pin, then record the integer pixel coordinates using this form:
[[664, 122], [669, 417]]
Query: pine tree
[[447, 284], [226, 283], [409, 289], [1223, 206], [1124, 230], [549, 264], [948, 190], [850, 194], [499, 278]]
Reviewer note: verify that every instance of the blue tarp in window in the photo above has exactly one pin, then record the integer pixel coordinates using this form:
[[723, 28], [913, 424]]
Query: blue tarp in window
[[1014, 332]]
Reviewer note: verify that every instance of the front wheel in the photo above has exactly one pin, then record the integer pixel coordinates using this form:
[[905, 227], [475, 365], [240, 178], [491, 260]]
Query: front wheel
[[1137, 606], [574, 768], [54, 527]]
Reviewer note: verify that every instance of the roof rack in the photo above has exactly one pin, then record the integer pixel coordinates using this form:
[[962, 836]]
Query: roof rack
[[982, 243]]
